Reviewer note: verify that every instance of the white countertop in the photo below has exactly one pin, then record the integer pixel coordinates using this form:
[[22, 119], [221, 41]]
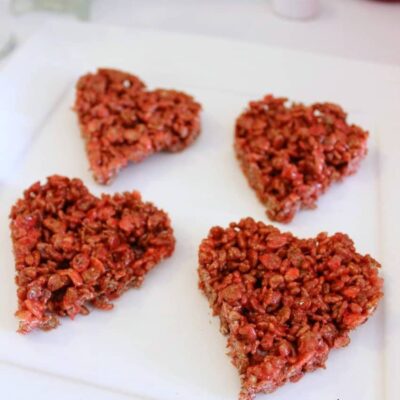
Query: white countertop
[[360, 29]]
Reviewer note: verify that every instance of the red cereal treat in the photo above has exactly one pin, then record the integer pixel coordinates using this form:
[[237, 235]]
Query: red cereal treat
[[284, 302], [123, 122], [291, 154], [73, 249]]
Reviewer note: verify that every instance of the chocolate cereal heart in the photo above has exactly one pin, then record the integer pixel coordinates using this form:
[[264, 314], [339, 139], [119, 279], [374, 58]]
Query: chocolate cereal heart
[[123, 122], [284, 302], [291, 154], [73, 249]]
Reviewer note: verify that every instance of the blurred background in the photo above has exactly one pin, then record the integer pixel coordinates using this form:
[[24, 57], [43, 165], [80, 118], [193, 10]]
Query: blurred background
[[358, 29]]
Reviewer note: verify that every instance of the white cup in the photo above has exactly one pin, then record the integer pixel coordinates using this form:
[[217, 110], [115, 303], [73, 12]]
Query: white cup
[[296, 9]]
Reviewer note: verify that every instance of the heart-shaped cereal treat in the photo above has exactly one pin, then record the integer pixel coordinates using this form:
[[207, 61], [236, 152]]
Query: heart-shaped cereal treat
[[284, 302], [291, 154], [73, 249], [122, 122]]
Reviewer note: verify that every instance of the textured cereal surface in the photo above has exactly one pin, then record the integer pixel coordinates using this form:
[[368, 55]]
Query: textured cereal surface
[[291, 154], [284, 302], [73, 249], [122, 122]]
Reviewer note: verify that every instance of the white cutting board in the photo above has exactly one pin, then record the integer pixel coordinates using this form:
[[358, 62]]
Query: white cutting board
[[160, 342]]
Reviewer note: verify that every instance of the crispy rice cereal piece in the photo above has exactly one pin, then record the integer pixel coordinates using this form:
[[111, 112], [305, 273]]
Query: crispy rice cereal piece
[[291, 154], [284, 302], [73, 249], [122, 122]]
